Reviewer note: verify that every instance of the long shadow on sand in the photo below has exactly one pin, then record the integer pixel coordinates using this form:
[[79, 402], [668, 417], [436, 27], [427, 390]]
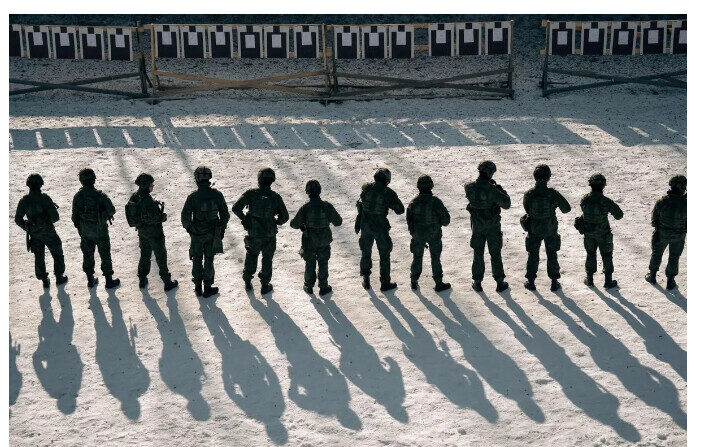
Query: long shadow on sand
[[577, 386], [115, 352], [315, 383], [674, 296], [15, 374], [180, 367], [494, 366], [459, 384], [248, 378], [361, 365], [56, 360]]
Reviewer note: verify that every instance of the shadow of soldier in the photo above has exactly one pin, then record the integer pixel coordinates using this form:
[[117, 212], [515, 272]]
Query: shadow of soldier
[[613, 356], [15, 374], [361, 365], [494, 366], [180, 367], [460, 385], [248, 378], [56, 360], [315, 383], [581, 389], [674, 296], [115, 352]]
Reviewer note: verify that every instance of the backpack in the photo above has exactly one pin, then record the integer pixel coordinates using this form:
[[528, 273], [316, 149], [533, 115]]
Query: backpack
[[540, 206], [317, 216], [423, 212], [131, 209]]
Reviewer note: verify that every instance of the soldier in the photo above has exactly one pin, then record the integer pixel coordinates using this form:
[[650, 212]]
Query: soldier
[[266, 211], [92, 210], [204, 217], [426, 214], [313, 219], [147, 216], [485, 198], [372, 222], [41, 214], [594, 224], [541, 224], [669, 220]]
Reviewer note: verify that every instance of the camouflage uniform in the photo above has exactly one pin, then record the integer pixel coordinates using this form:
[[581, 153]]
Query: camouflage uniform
[[266, 211], [204, 217], [314, 219], [41, 213]]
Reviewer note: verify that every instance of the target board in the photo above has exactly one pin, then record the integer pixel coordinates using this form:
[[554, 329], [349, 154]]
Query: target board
[[221, 41], [16, 41], [167, 41], [592, 41], [562, 38], [623, 38], [678, 41], [306, 41], [347, 42], [192, 39], [250, 41], [374, 42], [65, 44], [498, 37], [401, 41], [469, 39], [441, 39], [92, 42], [277, 41], [119, 44]]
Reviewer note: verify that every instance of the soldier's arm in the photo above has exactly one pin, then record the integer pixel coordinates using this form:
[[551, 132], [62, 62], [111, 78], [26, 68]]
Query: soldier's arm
[[396, 205], [109, 207], [53, 210], [283, 215], [238, 208], [562, 203], [299, 218], [503, 199], [617, 212], [223, 211], [186, 215], [409, 217], [334, 216], [19, 215], [75, 211], [444, 216], [526, 201], [656, 214]]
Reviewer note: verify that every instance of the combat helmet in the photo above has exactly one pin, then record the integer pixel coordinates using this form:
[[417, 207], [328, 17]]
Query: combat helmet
[[144, 180], [597, 181], [382, 174], [542, 172], [35, 181], [487, 167], [425, 182], [266, 174], [86, 176], [202, 173], [678, 182], [313, 188]]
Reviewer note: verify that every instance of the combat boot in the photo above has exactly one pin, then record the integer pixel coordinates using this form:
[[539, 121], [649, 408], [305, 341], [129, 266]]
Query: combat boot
[[477, 286], [198, 288], [46, 283], [388, 286], [111, 283], [671, 284], [651, 277], [529, 284], [92, 281], [326, 290], [502, 286], [307, 289], [441, 286], [555, 285], [143, 282], [210, 291], [366, 282], [414, 284], [266, 288], [589, 280], [609, 282], [170, 285], [247, 284], [61, 280]]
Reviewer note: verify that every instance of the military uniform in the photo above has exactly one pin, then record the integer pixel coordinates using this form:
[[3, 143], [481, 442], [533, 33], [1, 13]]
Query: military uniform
[[669, 220], [204, 217], [147, 216], [540, 204], [314, 219], [426, 214], [41, 213], [485, 200], [266, 211], [375, 202], [92, 210]]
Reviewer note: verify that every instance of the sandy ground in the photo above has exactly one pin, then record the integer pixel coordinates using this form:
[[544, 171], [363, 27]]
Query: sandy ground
[[580, 367]]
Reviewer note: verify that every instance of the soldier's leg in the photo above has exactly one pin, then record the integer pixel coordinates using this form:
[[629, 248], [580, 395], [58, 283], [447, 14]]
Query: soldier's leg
[[39, 251], [417, 250], [553, 244], [477, 242], [323, 255], [384, 243], [533, 246], [606, 245], [267, 252], [591, 254], [253, 248], [159, 247], [103, 246], [657, 249], [197, 252], [675, 249], [435, 248], [365, 242], [144, 257], [87, 246], [310, 257], [494, 242], [53, 243], [208, 271]]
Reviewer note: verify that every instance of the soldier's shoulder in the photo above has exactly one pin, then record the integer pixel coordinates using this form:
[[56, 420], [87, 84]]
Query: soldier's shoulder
[[366, 186], [469, 185], [530, 191], [134, 197], [436, 201]]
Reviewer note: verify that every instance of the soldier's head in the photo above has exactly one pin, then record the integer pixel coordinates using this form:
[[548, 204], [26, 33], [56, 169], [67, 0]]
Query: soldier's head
[[203, 174], [86, 177], [313, 188], [382, 175], [486, 169], [145, 181], [35, 182], [542, 173], [678, 184], [266, 177], [597, 182], [425, 183]]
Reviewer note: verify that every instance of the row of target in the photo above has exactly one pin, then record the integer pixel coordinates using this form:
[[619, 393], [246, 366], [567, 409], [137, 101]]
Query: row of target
[[618, 38], [71, 42]]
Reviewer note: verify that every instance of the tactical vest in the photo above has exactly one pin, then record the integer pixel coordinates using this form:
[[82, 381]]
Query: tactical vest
[[37, 214], [541, 207], [423, 211], [206, 210], [374, 200], [479, 196], [90, 213], [149, 212], [316, 216], [673, 213], [595, 210], [263, 206]]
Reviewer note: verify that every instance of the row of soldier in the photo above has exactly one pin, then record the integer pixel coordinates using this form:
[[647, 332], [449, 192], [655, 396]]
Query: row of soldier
[[261, 210]]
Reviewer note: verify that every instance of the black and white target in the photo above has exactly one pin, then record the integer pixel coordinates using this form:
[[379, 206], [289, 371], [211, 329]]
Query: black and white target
[[167, 41], [498, 36], [16, 41], [192, 39], [221, 42], [593, 38], [374, 42], [561, 38], [37, 41], [277, 41], [441, 39], [469, 38], [65, 45], [92, 43], [119, 44], [347, 42], [250, 41], [653, 37], [401, 41], [678, 39], [623, 38], [306, 41]]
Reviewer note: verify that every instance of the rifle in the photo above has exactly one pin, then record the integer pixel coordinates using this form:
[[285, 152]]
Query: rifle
[[359, 217]]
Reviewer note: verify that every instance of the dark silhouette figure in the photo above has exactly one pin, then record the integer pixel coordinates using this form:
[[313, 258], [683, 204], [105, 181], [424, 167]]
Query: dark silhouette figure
[[494, 366], [578, 387], [15, 374], [56, 360], [180, 367], [248, 378], [361, 365], [460, 385], [613, 356], [315, 383], [115, 352]]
